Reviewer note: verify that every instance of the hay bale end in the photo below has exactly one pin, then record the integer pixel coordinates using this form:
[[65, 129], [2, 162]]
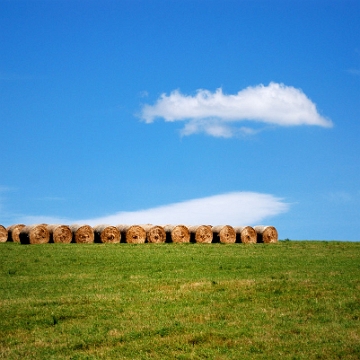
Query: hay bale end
[[34, 234]]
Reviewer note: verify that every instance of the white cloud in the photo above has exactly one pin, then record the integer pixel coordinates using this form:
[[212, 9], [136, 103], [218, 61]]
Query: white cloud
[[237, 208], [216, 113], [42, 219]]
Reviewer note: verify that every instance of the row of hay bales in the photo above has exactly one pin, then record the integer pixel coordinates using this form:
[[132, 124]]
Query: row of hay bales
[[137, 234]]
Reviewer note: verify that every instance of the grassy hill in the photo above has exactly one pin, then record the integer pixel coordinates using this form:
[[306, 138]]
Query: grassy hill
[[291, 300]]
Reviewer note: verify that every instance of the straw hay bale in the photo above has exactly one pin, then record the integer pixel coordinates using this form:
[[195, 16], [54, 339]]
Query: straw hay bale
[[35, 234], [132, 234], [224, 233], [60, 233], [177, 233], [201, 234], [154, 233], [266, 234], [107, 234], [3, 234], [82, 234], [14, 232], [245, 234]]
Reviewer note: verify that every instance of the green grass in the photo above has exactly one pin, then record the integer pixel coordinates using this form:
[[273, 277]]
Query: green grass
[[291, 300]]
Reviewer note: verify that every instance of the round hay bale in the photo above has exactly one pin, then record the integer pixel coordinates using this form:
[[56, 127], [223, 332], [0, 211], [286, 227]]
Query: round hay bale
[[3, 234], [224, 234], [107, 234], [201, 234], [245, 234], [154, 233], [82, 234], [266, 234], [132, 234], [14, 232], [34, 234], [177, 233], [60, 233]]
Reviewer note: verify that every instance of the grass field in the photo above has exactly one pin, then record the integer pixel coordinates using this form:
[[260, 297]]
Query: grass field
[[291, 300]]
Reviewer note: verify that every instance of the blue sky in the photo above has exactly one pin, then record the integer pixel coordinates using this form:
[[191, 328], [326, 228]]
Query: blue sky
[[205, 111]]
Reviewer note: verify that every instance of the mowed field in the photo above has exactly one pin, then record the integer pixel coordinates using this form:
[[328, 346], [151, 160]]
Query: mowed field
[[290, 300]]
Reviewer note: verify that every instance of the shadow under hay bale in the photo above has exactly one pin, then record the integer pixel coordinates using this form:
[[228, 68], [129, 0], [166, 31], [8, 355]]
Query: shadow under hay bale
[[177, 233], [201, 234], [245, 234], [132, 234], [266, 234], [60, 234], [14, 232], [34, 234], [3, 234], [107, 234], [82, 234], [224, 234], [154, 233]]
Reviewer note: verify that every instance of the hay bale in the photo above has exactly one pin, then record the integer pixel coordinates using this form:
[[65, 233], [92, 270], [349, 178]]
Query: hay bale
[[177, 233], [154, 233], [132, 234], [266, 234], [224, 234], [34, 234], [107, 234], [14, 232], [245, 234], [82, 234], [3, 234], [60, 233], [201, 234]]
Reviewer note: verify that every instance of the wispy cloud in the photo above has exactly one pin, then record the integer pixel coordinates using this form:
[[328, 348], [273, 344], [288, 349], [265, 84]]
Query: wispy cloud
[[6, 189], [51, 198], [354, 72], [216, 113], [6, 76], [42, 219], [342, 196], [236, 208]]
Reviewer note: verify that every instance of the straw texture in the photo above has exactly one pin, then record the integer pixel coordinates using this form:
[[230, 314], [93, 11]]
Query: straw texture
[[60, 233], [224, 234], [132, 234], [107, 234], [14, 232], [154, 233], [3, 234], [177, 233], [201, 234], [35, 234], [82, 234], [266, 234], [245, 234]]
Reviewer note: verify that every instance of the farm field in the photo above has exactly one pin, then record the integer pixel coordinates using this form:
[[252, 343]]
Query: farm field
[[290, 300]]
